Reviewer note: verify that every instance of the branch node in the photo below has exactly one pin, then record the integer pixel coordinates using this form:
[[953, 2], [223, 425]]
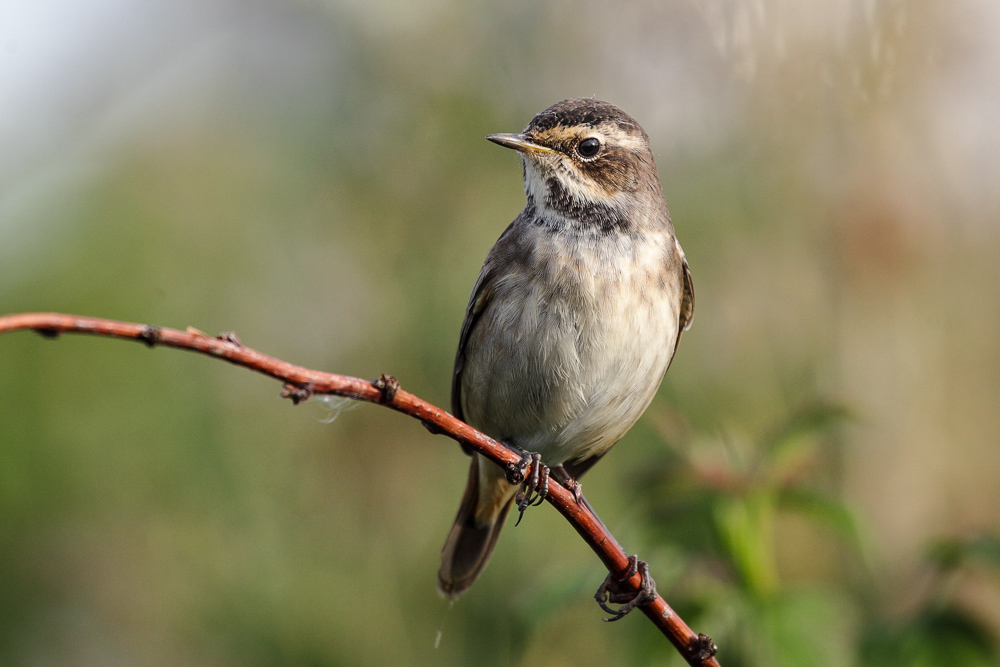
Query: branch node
[[150, 335], [387, 386], [296, 393], [514, 472], [47, 333], [703, 648], [230, 337]]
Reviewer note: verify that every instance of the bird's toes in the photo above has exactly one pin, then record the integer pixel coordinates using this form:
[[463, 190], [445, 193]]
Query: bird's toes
[[613, 591]]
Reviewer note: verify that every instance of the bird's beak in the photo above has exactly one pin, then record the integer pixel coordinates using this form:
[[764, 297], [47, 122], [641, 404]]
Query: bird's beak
[[518, 142]]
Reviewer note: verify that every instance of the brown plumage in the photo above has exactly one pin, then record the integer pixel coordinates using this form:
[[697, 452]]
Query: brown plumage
[[574, 318]]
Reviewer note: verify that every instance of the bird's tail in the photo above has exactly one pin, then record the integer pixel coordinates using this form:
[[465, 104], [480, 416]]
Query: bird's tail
[[481, 515]]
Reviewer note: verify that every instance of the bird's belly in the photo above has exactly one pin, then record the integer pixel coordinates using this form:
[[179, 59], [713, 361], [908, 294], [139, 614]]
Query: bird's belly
[[567, 374]]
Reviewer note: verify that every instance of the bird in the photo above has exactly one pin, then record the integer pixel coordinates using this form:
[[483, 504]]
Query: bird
[[573, 320]]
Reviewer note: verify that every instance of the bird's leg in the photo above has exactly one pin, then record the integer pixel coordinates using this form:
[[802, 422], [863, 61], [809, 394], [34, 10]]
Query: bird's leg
[[613, 591], [534, 484], [563, 477]]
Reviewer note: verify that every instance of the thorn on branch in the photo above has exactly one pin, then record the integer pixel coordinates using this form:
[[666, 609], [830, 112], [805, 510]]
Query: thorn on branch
[[230, 337], [703, 648], [47, 333], [387, 386], [150, 335], [296, 393]]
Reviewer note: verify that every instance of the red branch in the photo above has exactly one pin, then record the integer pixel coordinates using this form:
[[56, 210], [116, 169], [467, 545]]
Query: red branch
[[301, 382]]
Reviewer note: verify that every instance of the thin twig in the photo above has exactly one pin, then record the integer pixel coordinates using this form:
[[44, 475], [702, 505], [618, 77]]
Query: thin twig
[[300, 383]]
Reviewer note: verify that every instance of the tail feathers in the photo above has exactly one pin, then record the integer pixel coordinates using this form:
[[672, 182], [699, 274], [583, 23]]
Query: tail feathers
[[472, 538]]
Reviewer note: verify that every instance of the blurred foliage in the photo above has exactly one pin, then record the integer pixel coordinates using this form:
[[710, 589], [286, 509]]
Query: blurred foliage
[[312, 175], [720, 519]]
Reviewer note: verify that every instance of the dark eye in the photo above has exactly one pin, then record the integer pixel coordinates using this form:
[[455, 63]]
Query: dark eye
[[588, 147]]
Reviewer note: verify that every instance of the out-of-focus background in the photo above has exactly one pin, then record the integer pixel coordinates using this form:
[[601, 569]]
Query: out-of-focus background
[[817, 482]]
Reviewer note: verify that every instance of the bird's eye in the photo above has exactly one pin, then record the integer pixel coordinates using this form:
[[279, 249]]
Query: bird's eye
[[588, 147]]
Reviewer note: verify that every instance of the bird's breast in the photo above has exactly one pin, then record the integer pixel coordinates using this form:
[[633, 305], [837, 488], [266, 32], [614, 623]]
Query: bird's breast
[[574, 342]]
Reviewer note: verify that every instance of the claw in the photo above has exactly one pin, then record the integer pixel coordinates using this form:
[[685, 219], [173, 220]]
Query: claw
[[544, 493], [535, 487], [613, 591], [566, 480]]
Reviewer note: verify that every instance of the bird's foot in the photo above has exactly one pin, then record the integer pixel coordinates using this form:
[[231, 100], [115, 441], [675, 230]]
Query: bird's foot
[[535, 486], [612, 590], [563, 477]]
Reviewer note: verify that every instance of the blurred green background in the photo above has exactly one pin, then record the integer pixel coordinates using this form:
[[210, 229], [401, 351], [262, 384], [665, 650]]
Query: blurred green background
[[815, 484]]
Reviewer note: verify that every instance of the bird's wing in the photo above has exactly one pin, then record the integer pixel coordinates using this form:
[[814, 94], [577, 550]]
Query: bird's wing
[[686, 315], [576, 467], [482, 294], [687, 300]]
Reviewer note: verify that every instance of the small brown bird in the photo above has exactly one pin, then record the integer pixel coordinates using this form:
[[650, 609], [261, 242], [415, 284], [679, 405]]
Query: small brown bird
[[574, 318]]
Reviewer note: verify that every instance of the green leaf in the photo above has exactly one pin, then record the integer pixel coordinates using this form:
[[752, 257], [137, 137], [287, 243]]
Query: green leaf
[[829, 512], [985, 549], [951, 554], [746, 530], [800, 429], [792, 628], [812, 628], [935, 638]]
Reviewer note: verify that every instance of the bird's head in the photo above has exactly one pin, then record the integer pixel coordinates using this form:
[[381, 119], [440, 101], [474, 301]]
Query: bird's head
[[582, 153]]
